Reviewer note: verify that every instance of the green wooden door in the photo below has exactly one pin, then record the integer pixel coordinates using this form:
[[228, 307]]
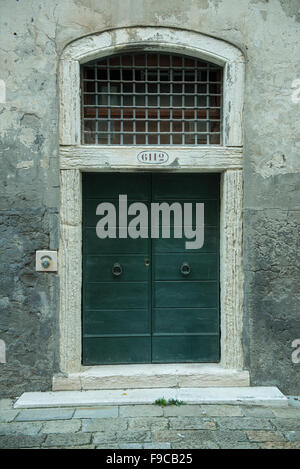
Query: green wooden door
[[151, 312]]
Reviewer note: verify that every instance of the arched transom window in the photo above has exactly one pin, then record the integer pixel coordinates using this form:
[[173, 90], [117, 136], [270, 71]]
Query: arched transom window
[[151, 99]]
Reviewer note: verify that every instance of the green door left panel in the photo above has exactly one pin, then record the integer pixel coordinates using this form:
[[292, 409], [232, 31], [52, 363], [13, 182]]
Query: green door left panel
[[116, 310]]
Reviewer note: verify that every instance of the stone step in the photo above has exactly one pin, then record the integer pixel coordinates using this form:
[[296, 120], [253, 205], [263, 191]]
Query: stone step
[[185, 375], [259, 396]]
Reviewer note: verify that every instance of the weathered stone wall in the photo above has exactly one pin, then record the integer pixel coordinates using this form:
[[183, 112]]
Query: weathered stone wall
[[32, 36]]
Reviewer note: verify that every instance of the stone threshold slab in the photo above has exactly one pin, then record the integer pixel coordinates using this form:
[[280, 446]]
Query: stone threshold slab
[[151, 376], [259, 396]]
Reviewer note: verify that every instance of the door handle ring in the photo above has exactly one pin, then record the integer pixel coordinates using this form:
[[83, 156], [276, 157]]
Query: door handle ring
[[117, 269], [185, 269]]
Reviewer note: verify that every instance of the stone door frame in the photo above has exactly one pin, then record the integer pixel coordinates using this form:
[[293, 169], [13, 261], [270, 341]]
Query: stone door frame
[[225, 159]]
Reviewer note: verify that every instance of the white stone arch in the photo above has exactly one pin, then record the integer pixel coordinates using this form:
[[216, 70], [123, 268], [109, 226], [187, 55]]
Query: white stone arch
[[226, 159], [150, 38]]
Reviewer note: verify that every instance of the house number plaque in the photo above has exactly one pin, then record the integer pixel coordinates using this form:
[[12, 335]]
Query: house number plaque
[[153, 157]]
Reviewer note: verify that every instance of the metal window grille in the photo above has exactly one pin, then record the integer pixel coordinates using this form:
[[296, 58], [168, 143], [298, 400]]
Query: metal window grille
[[151, 99]]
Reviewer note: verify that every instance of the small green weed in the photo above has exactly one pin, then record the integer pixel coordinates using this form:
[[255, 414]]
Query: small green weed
[[163, 402]]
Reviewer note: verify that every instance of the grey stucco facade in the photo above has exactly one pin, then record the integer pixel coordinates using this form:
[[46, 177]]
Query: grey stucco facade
[[33, 36]]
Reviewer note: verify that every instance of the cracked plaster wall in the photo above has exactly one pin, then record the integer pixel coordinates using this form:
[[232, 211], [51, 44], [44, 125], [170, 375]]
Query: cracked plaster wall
[[32, 36]]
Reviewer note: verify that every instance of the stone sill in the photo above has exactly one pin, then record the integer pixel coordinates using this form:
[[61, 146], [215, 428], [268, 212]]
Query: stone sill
[[150, 376], [258, 396]]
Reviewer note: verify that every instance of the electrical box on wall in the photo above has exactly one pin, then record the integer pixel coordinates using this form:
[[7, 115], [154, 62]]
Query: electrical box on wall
[[46, 261]]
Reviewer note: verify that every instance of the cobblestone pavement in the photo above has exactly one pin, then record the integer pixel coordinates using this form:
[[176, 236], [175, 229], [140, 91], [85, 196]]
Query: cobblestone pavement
[[150, 427]]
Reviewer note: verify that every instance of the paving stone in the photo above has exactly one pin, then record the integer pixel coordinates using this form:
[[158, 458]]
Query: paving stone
[[96, 412], [160, 445], [185, 423], [222, 410], [140, 411], [151, 427], [105, 438], [131, 446], [7, 415], [230, 437], [287, 412], [68, 439], [180, 435], [194, 445], [69, 447], [286, 424], [183, 411], [147, 423], [239, 445], [101, 425], [292, 435], [131, 435], [45, 414], [294, 401], [108, 446], [253, 411], [263, 435], [67, 426], [25, 428], [281, 445], [6, 403], [99, 438], [21, 441], [236, 423]]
